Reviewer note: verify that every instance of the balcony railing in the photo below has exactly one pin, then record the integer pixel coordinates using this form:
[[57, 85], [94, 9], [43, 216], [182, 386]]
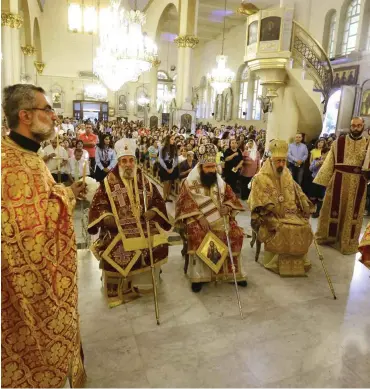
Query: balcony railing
[[313, 58]]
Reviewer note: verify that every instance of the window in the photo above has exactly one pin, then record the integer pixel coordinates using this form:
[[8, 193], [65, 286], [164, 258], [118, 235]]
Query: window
[[85, 18], [330, 49], [90, 20], [75, 18], [243, 95], [351, 27], [257, 91]]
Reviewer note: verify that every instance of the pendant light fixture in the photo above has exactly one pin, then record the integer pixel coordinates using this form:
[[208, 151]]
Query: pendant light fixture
[[221, 77]]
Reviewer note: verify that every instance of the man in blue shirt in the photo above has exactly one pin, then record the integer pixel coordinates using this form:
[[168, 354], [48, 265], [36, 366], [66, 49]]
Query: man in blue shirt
[[297, 156]]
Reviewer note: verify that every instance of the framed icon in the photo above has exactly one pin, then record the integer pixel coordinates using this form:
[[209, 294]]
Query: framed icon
[[212, 251]]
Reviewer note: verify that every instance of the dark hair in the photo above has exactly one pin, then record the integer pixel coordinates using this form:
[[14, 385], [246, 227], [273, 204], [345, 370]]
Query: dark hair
[[318, 141], [168, 148], [101, 141], [16, 98], [79, 141], [225, 135]]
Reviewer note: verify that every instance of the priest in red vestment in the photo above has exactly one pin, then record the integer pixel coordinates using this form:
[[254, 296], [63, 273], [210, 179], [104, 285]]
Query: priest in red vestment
[[117, 213], [198, 211]]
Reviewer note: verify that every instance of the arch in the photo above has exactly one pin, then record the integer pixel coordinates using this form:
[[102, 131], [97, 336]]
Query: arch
[[154, 12], [239, 74], [37, 40], [164, 16], [330, 25]]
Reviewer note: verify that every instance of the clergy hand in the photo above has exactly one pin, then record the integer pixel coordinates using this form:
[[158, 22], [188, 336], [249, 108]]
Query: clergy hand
[[224, 210], [78, 189], [204, 224], [149, 215]]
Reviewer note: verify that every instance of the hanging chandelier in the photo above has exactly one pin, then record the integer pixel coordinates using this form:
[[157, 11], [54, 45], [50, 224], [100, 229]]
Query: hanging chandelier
[[125, 51], [221, 77]]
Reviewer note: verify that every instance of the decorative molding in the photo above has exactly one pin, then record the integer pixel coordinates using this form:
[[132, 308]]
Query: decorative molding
[[247, 9], [11, 20], [39, 67], [156, 62], [187, 41], [28, 50]]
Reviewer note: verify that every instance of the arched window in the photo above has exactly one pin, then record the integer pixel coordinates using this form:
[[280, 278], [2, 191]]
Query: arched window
[[351, 27], [330, 48], [243, 94], [256, 108]]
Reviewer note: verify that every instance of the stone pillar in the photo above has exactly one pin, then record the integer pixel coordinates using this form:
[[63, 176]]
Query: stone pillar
[[153, 87], [185, 45], [250, 98], [29, 71], [10, 24]]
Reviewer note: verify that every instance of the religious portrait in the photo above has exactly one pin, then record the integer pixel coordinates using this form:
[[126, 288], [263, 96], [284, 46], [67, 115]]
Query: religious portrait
[[365, 103], [186, 121], [345, 76], [252, 32], [122, 103], [270, 29], [56, 98], [212, 252], [111, 112]]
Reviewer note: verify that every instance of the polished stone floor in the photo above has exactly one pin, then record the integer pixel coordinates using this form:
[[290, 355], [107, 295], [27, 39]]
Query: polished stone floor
[[293, 334]]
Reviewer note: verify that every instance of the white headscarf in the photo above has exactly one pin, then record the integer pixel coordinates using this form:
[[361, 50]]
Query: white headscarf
[[253, 151]]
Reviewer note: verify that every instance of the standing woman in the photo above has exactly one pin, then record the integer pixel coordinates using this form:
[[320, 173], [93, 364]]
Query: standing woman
[[251, 165], [168, 161], [105, 158]]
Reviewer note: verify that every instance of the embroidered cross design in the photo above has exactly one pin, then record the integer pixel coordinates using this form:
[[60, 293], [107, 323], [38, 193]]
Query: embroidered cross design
[[196, 186], [118, 193], [120, 252]]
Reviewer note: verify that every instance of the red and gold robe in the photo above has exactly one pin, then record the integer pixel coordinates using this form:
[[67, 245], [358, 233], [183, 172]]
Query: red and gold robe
[[196, 201], [344, 202], [123, 248], [40, 340]]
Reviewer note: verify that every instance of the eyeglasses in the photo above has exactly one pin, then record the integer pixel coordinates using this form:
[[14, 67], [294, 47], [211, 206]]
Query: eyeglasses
[[47, 109], [356, 125]]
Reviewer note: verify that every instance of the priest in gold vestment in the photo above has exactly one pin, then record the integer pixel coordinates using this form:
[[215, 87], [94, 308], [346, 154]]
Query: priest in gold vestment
[[280, 215], [40, 339], [117, 213], [343, 207], [198, 211]]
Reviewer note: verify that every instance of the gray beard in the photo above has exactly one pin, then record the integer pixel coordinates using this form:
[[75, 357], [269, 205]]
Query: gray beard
[[122, 174]]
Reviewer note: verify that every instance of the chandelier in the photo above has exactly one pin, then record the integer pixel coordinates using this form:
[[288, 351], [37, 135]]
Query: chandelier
[[221, 77], [125, 51]]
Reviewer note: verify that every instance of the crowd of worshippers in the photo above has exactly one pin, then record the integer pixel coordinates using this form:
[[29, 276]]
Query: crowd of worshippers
[[169, 154]]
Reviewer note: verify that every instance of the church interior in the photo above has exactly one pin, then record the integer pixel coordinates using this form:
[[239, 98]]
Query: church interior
[[280, 66]]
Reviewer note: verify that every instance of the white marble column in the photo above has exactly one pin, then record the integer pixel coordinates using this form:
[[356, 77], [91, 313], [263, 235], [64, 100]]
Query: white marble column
[[153, 89], [28, 58], [6, 48]]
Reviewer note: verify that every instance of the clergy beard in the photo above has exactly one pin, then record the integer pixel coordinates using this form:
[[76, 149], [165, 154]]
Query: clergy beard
[[42, 131], [126, 173], [279, 170], [208, 179], [356, 134]]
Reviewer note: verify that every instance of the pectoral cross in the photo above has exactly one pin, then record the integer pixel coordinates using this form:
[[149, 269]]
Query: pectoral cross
[[118, 193], [196, 186]]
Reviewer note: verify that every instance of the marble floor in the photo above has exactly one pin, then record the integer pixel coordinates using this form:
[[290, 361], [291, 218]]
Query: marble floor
[[293, 335]]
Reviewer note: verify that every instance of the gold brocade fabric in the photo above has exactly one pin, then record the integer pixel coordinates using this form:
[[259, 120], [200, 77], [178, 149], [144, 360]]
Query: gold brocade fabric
[[281, 209], [343, 206], [40, 344]]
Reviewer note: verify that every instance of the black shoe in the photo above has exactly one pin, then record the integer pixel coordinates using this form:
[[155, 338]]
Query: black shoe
[[243, 284], [196, 287]]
